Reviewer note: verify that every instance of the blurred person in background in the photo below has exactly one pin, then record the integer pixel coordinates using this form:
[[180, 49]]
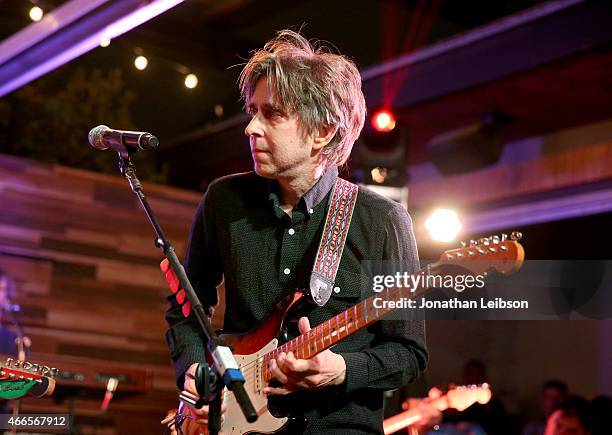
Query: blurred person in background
[[554, 392]]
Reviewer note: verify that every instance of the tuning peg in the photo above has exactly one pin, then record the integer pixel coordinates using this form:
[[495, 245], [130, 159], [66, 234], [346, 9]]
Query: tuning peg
[[463, 244], [473, 242], [516, 236], [504, 237], [484, 241], [495, 239]]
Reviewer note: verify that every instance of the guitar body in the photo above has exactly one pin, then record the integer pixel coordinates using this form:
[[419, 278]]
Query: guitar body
[[248, 350]]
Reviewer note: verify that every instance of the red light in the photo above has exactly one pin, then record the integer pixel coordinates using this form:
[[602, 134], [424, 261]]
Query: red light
[[383, 121]]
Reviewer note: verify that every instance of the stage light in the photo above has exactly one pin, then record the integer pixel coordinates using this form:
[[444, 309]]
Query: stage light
[[105, 42], [36, 13], [379, 174], [443, 225], [191, 81], [383, 121], [141, 62]]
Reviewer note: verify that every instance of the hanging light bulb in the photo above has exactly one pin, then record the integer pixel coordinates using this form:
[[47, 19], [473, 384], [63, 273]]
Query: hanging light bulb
[[141, 62], [36, 13], [105, 42], [191, 81]]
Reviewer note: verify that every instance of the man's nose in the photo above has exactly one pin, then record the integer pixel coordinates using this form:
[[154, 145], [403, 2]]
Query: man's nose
[[253, 128]]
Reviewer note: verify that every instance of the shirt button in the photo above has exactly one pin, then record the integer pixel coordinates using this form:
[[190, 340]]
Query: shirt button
[[287, 271], [336, 289], [311, 211], [291, 231]]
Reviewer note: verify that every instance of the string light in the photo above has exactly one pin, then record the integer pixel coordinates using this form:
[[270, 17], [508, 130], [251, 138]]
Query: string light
[[218, 110], [141, 62], [36, 13], [191, 81]]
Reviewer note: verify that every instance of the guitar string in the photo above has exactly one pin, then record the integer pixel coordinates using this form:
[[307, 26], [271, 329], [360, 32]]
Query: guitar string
[[355, 317], [251, 367], [364, 315]]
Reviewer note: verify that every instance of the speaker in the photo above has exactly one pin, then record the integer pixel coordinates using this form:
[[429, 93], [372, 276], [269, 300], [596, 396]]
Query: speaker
[[469, 148]]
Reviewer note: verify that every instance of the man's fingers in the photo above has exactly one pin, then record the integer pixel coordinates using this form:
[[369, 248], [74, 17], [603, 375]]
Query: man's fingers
[[292, 364], [304, 325], [276, 391], [434, 393], [202, 411], [277, 373]]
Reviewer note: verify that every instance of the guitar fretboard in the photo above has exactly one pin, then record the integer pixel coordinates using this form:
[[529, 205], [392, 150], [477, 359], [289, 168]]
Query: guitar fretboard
[[342, 325]]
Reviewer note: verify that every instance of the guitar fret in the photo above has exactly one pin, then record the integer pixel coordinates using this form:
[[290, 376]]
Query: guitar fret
[[323, 334]]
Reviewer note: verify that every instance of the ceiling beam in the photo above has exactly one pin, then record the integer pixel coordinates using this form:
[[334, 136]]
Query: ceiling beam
[[67, 32]]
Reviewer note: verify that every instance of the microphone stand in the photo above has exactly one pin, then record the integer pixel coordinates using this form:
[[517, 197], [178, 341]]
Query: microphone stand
[[225, 371]]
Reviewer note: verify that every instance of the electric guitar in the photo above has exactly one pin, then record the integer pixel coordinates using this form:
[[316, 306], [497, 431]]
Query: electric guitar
[[459, 398], [254, 350], [20, 378]]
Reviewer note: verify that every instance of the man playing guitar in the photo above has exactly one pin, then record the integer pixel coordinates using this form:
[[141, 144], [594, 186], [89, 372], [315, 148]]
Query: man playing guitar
[[259, 232]]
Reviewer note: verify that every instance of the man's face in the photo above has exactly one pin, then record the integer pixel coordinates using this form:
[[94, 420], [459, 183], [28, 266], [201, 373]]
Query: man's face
[[551, 398], [278, 146]]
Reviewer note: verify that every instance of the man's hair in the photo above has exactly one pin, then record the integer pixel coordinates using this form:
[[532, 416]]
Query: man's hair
[[10, 284], [322, 88], [557, 384]]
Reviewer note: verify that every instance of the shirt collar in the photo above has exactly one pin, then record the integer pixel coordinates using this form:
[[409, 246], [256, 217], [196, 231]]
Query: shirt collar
[[314, 196], [321, 188]]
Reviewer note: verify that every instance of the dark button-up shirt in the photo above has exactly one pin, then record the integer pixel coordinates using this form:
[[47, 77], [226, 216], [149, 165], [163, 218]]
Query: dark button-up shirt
[[240, 234]]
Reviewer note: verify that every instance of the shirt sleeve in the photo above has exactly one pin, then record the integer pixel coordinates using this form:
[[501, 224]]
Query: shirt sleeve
[[399, 353], [184, 336]]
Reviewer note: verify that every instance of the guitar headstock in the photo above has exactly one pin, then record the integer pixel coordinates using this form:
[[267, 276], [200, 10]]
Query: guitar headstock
[[500, 252], [19, 378], [464, 396]]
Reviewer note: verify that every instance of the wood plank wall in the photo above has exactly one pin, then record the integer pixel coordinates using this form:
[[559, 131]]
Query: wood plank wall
[[81, 251]]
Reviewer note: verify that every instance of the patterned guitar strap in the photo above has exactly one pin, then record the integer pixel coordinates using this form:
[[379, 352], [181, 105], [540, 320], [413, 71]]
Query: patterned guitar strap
[[337, 223]]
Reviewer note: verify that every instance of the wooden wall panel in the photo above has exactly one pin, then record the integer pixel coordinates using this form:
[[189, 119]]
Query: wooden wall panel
[[81, 251]]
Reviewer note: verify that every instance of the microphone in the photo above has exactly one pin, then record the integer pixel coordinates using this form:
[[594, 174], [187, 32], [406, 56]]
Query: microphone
[[124, 142]]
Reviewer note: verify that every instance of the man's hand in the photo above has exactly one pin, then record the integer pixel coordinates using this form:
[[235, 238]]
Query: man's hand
[[200, 416], [429, 414], [326, 368]]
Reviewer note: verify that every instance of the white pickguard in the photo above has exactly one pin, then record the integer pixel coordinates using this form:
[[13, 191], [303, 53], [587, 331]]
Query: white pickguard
[[235, 423]]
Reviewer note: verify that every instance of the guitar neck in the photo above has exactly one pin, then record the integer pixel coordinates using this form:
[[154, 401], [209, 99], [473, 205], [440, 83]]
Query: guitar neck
[[346, 323], [406, 418]]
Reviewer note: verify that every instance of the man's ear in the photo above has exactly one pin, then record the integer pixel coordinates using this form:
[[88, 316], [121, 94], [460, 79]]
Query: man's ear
[[323, 136]]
